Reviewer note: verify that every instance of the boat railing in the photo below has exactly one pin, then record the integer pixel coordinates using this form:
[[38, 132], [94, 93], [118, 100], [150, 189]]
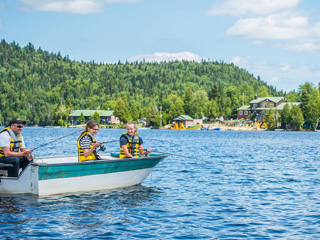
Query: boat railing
[[112, 157]]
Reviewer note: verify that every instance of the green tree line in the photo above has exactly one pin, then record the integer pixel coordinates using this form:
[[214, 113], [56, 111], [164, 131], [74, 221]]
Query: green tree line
[[307, 115], [44, 87]]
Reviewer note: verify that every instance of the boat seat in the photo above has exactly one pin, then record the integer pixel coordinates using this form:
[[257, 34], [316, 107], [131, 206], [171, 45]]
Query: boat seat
[[3, 173], [4, 169]]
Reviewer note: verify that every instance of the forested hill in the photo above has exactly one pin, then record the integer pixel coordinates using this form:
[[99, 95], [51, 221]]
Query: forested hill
[[44, 87]]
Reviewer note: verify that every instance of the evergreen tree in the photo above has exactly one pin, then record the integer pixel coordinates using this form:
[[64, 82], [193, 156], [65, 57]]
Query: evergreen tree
[[61, 113], [212, 110], [296, 117], [292, 96], [285, 115], [270, 119], [69, 105], [153, 114], [81, 119], [188, 99], [176, 106], [95, 116], [263, 91], [122, 110], [145, 112], [313, 114], [134, 112], [305, 99], [198, 105]]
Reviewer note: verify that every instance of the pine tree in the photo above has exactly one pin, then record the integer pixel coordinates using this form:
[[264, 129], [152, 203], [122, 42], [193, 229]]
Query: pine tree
[[270, 120], [285, 115], [81, 119], [296, 117]]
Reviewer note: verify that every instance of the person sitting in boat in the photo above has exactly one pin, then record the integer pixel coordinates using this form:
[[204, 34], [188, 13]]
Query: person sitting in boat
[[87, 144], [131, 143], [12, 147]]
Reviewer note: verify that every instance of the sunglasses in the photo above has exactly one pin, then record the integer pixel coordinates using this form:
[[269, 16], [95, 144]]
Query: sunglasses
[[19, 126]]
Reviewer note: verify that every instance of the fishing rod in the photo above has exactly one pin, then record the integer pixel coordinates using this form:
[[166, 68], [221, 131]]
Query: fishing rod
[[45, 144], [144, 139], [110, 141], [171, 154], [160, 140], [103, 148], [176, 155]]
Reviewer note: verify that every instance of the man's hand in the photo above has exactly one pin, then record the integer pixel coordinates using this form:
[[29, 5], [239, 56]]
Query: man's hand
[[27, 154]]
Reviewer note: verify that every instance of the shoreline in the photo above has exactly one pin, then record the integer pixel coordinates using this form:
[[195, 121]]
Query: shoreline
[[220, 127], [210, 127]]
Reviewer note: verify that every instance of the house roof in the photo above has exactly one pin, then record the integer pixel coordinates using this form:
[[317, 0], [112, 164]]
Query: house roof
[[183, 117], [272, 99], [88, 113], [280, 107], [244, 107]]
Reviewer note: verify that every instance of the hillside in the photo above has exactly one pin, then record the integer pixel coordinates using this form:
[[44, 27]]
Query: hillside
[[43, 87]]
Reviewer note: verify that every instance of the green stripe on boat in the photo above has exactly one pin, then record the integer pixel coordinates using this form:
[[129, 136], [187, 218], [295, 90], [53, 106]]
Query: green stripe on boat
[[53, 171]]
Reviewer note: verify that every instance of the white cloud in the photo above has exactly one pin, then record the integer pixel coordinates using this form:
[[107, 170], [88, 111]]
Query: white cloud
[[274, 80], [262, 67], [308, 47], [278, 22], [70, 6], [285, 67], [292, 31], [258, 42], [64, 6], [163, 56], [240, 61], [285, 76], [255, 7], [281, 26]]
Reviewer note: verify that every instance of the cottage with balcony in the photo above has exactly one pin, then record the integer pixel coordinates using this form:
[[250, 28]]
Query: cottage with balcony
[[260, 106]]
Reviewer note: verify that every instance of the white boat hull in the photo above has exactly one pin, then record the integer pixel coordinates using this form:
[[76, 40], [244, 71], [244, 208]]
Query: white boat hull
[[56, 175]]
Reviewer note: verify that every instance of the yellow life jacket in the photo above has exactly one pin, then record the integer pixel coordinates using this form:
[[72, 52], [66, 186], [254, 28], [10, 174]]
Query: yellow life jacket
[[92, 156], [15, 141], [132, 145]]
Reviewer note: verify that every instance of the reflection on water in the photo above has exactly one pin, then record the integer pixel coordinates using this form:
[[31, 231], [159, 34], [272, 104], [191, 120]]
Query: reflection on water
[[232, 185]]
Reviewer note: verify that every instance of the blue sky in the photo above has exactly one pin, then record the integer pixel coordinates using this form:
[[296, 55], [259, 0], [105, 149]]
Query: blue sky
[[278, 40]]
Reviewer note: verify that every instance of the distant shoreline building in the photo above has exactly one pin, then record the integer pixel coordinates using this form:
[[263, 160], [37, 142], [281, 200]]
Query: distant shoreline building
[[106, 116], [187, 121], [260, 106]]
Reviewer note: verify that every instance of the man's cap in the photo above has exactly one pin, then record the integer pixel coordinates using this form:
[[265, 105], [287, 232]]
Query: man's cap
[[17, 121]]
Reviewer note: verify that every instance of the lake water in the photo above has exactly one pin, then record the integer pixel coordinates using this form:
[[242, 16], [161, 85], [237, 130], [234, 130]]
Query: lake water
[[232, 185]]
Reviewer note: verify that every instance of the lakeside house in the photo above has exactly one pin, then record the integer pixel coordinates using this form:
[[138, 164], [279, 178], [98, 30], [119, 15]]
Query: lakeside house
[[106, 116], [260, 106], [187, 121]]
